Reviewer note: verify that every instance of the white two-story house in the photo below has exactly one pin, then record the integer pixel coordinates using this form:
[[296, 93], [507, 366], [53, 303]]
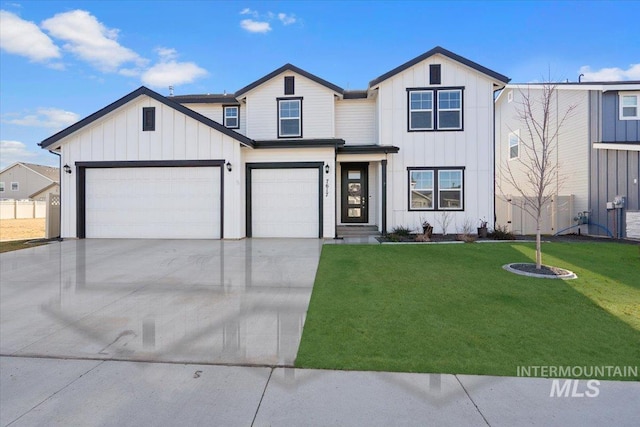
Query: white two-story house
[[289, 155]]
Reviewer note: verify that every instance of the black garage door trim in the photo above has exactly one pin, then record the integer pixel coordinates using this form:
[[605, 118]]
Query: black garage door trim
[[284, 165], [81, 175]]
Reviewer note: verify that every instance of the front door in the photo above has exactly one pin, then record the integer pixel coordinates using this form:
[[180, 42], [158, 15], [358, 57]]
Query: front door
[[355, 193]]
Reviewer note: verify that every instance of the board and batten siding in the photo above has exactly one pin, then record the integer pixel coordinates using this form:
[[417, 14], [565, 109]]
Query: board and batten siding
[[118, 136], [614, 129], [318, 111], [356, 121], [471, 148]]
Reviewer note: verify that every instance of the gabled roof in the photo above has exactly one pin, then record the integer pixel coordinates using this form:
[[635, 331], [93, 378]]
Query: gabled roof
[[42, 190], [49, 172], [289, 67], [133, 95], [448, 54], [209, 98]]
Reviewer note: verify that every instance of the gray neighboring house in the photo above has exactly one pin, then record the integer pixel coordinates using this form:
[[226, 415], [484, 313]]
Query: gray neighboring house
[[22, 181], [598, 149]]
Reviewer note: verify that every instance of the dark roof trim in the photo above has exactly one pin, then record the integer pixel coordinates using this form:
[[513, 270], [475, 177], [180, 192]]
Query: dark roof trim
[[300, 143], [229, 98], [445, 52], [368, 149], [133, 95], [289, 67], [583, 83], [618, 142], [355, 94]]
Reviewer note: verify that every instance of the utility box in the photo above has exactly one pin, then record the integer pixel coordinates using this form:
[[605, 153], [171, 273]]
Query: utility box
[[610, 206]]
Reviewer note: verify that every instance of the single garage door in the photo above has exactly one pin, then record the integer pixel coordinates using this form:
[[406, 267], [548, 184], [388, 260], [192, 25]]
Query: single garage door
[[284, 203], [153, 202]]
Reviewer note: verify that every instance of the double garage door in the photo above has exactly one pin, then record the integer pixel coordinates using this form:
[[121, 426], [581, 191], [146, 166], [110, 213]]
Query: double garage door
[[185, 202], [153, 202]]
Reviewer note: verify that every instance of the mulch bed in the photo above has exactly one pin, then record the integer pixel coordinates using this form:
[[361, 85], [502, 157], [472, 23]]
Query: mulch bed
[[545, 269]]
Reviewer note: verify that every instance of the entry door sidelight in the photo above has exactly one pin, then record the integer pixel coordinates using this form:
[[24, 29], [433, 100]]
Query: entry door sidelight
[[355, 194]]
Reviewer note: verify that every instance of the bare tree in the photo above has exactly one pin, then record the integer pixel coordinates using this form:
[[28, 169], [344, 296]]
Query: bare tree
[[443, 221], [537, 153]]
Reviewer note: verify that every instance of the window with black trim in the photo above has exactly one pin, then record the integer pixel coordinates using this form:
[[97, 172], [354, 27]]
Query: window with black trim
[[289, 85], [231, 114], [435, 109], [290, 117], [436, 189], [1, 187], [148, 118]]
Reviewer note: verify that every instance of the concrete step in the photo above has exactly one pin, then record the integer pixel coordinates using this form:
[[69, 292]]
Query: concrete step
[[357, 230]]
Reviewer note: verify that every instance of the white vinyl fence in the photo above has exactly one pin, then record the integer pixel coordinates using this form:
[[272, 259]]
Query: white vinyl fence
[[19, 209], [557, 215]]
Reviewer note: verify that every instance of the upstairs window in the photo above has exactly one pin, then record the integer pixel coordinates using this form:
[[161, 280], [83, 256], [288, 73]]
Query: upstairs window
[[1, 187], [421, 110], [629, 103], [231, 116], [435, 109], [148, 119], [514, 145], [15, 186], [289, 118]]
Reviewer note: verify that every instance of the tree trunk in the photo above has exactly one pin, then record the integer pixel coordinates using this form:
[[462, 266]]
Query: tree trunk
[[538, 247]]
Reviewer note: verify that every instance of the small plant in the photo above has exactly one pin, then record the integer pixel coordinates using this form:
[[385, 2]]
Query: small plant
[[483, 223], [466, 232], [401, 231], [427, 229], [443, 221], [482, 230], [502, 233]]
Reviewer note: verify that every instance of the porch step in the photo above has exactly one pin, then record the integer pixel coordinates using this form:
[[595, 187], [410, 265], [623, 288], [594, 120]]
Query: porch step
[[357, 230]]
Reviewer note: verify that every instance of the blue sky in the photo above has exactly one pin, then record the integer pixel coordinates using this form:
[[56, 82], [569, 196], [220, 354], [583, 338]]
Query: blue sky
[[63, 60]]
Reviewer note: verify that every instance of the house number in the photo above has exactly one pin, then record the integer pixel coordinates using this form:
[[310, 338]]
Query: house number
[[326, 188]]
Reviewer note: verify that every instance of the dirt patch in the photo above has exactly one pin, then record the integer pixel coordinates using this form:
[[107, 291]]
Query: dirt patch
[[15, 229]]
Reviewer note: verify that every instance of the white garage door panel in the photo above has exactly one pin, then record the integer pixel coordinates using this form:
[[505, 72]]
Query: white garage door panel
[[284, 203], [163, 202]]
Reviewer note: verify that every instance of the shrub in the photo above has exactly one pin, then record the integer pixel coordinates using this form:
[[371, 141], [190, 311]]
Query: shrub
[[502, 233], [401, 231]]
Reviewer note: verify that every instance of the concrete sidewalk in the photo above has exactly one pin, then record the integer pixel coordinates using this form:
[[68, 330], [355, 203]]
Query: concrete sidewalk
[[44, 391]]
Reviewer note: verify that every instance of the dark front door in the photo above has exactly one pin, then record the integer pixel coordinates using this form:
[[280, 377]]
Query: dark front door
[[355, 194]]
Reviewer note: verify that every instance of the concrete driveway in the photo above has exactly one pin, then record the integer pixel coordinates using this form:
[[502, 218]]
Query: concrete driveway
[[189, 301]]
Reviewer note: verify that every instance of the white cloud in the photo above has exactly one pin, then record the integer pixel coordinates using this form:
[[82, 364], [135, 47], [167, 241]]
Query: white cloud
[[24, 38], [16, 151], [91, 41], [247, 11], [169, 72], [610, 74], [255, 26], [287, 19], [52, 118]]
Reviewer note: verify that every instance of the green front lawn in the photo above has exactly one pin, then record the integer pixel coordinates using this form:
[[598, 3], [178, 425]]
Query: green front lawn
[[453, 309]]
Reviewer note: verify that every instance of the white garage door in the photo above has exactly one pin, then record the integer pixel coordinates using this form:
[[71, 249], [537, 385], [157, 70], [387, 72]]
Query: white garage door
[[284, 203], [155, 202]]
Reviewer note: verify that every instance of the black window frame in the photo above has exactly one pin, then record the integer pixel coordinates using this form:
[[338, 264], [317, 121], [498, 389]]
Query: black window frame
[[278, 101], [435, 108], [148, 119], [224, 116], [436, 188]]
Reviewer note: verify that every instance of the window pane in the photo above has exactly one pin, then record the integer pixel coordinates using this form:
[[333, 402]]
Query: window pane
[[450, 179], [290, 127], [450, 199], [421, 191], [421, 100], [513, 152], [421, 120], [289, 109], [629, 101], [421, 199], [629, 111], [422, 179], [232, 122], [354, 174], [231, 112], [449, 119], [449, 99]]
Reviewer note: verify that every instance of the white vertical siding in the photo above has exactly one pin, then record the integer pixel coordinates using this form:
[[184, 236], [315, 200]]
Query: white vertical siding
[[471, 148], [317, 108], [355, 121], [119, 136]]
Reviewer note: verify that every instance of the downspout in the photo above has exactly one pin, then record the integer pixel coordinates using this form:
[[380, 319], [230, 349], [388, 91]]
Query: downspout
[[335, 190], [493, 106]]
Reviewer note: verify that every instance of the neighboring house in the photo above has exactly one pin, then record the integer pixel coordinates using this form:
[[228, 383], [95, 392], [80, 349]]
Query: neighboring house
[[289, 155], [598, 150], [22, 181]]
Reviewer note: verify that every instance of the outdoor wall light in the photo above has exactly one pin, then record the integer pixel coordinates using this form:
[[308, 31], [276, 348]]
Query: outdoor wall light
[[67, 168], [229, 166], [326, 168]]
